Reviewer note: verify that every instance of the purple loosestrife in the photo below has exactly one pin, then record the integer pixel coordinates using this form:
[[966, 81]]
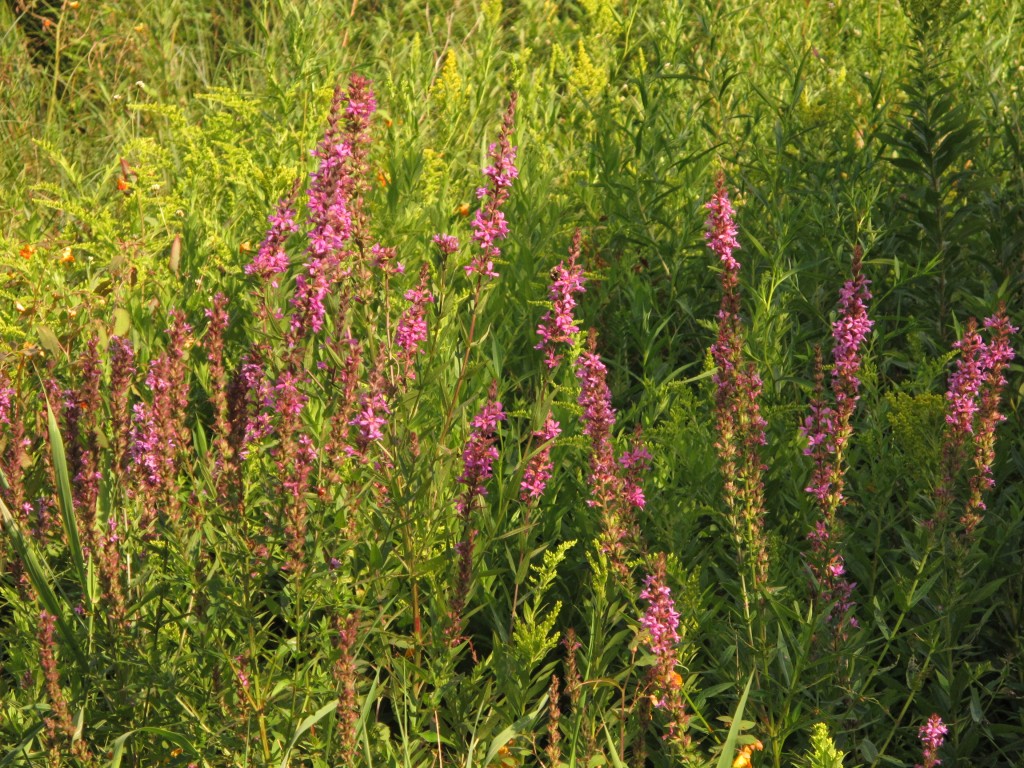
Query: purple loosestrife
[[59, 726], [961, 406], [489, 223], [335, 202], [660, 623], [345, 381], [828, 431], [345, 677], [538, 469], [14, 446], [160, 437], [447, 244], [553, 750], [558, 326], [122, 373], [740, 426], [82, 408], [995, 360], [610, 492], [294, 457], [478, 457], [218, 389], [7, 395], [412, 325], [370, 417], [271, 259], [933, 736]]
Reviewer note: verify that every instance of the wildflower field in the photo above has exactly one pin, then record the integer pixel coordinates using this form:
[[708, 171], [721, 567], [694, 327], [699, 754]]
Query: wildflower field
[[470, 383]]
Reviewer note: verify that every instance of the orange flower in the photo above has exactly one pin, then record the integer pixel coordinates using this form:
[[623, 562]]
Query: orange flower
[[66, 256], [27, 252], [122, 184], [245, 247], [463, 210]]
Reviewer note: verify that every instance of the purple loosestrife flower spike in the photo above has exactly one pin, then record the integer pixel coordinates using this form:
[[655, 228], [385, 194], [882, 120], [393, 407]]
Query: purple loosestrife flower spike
[[558, 326], [480, 453], [933, 736], [447, 244], [828, 431], [160, 437], [995, 359], [7, 394], [489, 225], [412, 325], [335, 203], [538, 469], [661, 625], [611, 492], [122, 372], [961, 407], [966, 380], [477, 458], [740, 426], [271, 259]]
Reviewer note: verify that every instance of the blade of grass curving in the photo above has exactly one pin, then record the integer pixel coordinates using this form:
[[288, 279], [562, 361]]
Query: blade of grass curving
[[67, 506], [42, 580], [20, 753], [305, 725], [117, 747], [729, 747], [520, 726]]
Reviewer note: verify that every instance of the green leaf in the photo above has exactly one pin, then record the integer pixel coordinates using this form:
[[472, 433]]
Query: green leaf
[[729, 747], [48, 340], [522, 725], [41, 579], [117, 747], [305, 725], [67, 507]]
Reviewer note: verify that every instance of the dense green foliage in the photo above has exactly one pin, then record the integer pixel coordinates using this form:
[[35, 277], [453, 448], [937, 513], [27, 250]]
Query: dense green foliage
[[219, 617]]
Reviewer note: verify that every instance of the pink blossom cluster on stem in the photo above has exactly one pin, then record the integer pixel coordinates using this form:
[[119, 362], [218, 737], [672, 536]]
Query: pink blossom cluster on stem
[[828, 430], [614, 485], [336, 218], [412, 325], [739, 423], [489, 224], [558, 325], [973, 396], [159, 434], [660, 623], [538, 469], [933, 736], [271, 259], [478, 458]]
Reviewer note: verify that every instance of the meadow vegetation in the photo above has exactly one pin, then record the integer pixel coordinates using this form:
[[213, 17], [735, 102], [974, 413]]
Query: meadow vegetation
[[498, 383]]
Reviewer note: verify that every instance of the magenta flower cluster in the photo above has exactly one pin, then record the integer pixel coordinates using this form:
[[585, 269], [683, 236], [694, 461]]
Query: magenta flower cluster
[[489, 224], [973, 396], [7, 394], [334, 203], [271, 259], [828, 430], [739, 423], [558, 326], [614, 485], [412, 325], [660, 623], [480, 453], [538, 469], [933, 736]]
